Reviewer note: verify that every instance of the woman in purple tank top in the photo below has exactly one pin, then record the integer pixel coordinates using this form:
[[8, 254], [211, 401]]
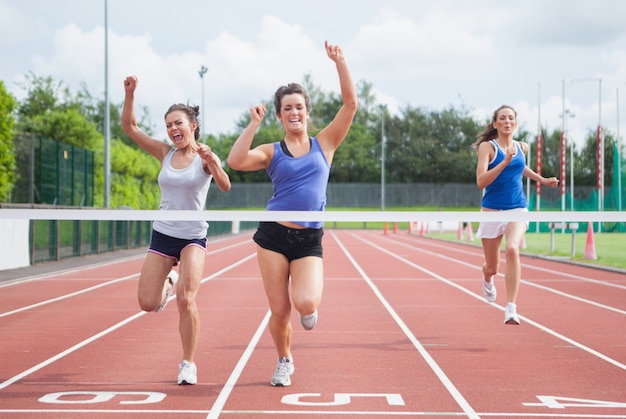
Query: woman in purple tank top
[[298, 167]]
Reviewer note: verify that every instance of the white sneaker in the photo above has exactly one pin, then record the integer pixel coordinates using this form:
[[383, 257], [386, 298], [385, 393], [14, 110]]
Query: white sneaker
[[489, 291], [282, 375], [510, 314], [187, 373], [309, 321], [173, 278]]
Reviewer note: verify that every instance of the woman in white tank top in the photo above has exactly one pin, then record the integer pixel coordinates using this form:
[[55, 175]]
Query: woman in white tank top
[[186, 172]]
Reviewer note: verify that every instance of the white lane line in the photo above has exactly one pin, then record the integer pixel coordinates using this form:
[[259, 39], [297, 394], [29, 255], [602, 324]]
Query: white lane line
[[66, 296], [86, 290], [69, 350], [561, 273], [523, 281], [454, 392], [219, 403], [105, 332], [479, 297]]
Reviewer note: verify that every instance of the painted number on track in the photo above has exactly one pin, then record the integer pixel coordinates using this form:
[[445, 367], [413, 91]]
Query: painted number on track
[[89, 397], [556, 402], [341, 399]]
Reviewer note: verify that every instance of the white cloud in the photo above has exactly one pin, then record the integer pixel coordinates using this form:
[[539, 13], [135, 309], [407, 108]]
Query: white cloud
[[396, 44], [430, 54]]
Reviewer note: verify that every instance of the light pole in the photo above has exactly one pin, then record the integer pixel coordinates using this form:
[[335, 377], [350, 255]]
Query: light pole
[[562, 156], [202, 72], [539, 152], [107, 116], [600, 149], [619, 155], [382, 160], [569, 114]]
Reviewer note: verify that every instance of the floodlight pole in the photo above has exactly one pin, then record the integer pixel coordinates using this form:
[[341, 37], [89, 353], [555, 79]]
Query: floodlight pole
[[600, 153], [382, 166], [538, 150], [562, 154], [202, 72], [619, 154], [107, 117], [569, 114]]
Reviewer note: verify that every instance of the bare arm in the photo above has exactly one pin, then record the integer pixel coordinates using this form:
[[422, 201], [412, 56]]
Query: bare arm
[[129, 123], [553, 182], [332, 136], [532, 175], [484, 175], [241, 157], [213, 165]]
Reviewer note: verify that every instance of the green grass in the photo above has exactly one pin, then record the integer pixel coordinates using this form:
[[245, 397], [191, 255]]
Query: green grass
[[610, 247]]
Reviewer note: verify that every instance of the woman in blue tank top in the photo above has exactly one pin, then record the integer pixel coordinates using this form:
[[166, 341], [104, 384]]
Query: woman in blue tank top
[[298, 166], [186, 173], [499, 171]]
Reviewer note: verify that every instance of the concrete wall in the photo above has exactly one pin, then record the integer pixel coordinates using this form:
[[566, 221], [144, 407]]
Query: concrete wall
[[14, 238]]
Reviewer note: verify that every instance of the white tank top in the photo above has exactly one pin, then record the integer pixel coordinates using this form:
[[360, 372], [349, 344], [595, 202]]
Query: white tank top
[[183, 189]]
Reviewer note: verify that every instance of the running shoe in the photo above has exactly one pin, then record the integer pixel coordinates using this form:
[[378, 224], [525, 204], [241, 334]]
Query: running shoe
[[309, 321], [510, 314], [173, 278], [282, 375], [489, 291], [187, 373]]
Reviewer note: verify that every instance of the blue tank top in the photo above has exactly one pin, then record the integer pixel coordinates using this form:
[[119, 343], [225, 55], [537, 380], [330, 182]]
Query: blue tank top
[[299, 183], [183, 189], [506, 191]]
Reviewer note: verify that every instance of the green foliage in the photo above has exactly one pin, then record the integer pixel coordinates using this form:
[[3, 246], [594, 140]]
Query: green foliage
[[356, 160], [421, 145], [51, 111], [8, 103], [67, 126], [587, 160], [135, 181], [42, 96], [134, 176]]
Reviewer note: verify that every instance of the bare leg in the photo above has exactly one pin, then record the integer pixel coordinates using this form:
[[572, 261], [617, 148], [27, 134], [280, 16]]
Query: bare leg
[[153, 282], [275, 273], [191, 270], [513, 272], [491, 250], [307, 283]]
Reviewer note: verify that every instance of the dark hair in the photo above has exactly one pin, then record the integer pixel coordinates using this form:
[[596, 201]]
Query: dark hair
[[192, 113], [489, 133], [290, 89]]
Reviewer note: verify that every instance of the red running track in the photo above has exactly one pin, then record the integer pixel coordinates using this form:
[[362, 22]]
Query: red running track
[[403, 332]]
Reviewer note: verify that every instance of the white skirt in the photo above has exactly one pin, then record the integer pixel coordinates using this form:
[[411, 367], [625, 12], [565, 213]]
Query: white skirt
[[494, 229]]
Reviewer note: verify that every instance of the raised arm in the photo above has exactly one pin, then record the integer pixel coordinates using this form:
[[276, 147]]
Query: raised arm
[[241, 157], [129, 123], [331, 137]]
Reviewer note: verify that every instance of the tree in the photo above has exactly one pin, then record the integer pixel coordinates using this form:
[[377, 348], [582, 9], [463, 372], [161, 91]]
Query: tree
[[550, 161], [8, 104], [431, 146], [51, 111], [587, 164], [357, 159], [43, 94]]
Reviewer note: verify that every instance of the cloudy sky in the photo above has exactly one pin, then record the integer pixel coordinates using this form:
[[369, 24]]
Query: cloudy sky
[[476, 54]]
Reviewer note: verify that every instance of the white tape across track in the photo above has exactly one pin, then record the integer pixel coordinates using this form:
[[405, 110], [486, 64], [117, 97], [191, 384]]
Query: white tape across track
[[380, 216]]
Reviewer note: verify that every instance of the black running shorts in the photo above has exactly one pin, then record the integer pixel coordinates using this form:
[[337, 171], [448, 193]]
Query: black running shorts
[[293, 243]]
